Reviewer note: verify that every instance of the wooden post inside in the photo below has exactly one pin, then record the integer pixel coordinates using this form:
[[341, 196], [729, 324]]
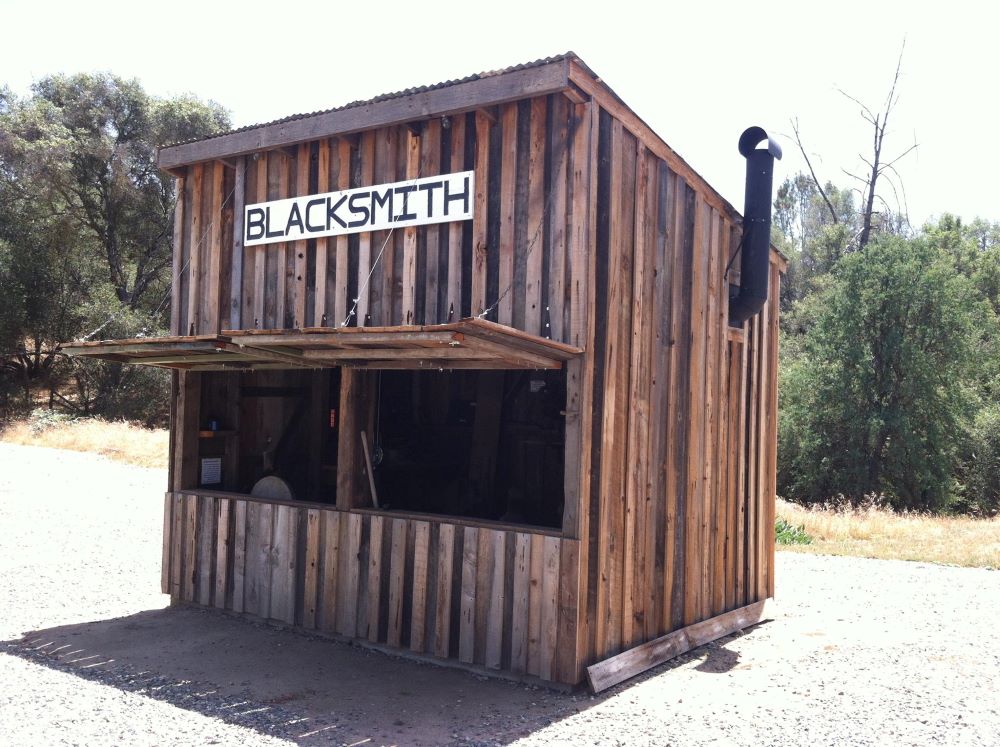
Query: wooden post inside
[[357, 413]]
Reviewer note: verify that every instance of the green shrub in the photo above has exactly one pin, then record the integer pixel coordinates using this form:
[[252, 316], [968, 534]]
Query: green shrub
[[789, 534], [980, 472]]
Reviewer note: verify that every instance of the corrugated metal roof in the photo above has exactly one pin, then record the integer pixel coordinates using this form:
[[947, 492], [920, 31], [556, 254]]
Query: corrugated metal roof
[[387, 97]]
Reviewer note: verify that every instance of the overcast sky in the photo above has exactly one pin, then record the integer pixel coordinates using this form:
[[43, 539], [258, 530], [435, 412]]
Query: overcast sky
[[697, 75]]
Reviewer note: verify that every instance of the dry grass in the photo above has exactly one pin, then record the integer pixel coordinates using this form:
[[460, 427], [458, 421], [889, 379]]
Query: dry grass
[[123, 442], [880, 533]]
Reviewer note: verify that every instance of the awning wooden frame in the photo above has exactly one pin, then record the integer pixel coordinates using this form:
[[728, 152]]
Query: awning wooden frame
[[469, 343], [199, 352]]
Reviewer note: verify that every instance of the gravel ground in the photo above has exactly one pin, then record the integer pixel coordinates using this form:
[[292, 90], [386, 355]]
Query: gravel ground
[[858, 652]]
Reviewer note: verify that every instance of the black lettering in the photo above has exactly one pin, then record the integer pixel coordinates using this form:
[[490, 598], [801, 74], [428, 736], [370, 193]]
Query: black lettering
[[464, 196], [358, 209], [309, 206], [294, 219], [405, 191], [429, 187], [331, 212], [382, 200], [267, 226], [255, 224]]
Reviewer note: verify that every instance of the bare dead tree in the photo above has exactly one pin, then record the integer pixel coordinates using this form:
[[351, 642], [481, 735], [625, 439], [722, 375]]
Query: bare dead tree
[[878, 167]]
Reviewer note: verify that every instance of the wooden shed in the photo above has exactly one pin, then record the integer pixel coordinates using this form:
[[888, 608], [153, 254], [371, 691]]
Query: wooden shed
[[469, 347]]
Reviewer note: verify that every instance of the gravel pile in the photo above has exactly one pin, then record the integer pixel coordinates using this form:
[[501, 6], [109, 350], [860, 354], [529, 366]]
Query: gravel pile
[[859, 652]]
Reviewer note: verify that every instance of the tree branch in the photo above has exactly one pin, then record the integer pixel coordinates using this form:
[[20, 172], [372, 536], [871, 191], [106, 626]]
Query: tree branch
[[812, 172]]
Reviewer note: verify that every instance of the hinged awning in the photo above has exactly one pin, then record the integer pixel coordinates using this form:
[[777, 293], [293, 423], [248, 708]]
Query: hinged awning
[[200, 352], [469, 343]]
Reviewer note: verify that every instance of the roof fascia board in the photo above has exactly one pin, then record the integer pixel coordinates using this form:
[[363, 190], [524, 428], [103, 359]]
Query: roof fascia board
[[455, 99]]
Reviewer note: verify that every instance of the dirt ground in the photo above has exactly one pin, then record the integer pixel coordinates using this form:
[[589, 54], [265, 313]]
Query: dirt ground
[[858, 652]]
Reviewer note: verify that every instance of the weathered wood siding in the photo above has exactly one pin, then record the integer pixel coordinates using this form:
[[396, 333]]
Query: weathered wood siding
[[478, 594], [516, 259], [588, 230], [679, 484]]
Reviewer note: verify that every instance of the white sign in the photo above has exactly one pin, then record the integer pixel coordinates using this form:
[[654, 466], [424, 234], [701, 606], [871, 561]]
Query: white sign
[[417, 202]]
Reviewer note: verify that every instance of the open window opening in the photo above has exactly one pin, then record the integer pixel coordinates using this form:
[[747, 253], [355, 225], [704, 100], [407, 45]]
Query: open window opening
[[279, 425], [482, 444]]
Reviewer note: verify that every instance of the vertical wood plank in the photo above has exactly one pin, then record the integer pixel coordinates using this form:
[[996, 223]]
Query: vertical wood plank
[[177, 522], [367, 157], [397, 564], [387, 157], [467, 625], [617, 353], [550, 606], [190, 547], [508, 182], [252, 564], [349, 570], [320, 318], [280, 588], [375, 577], [480, 220], [364, 561], [484, 592], [222, 551], [265, 558], [206, 558], [535, 602], [772, 435], [494, 615], [341, 302], [331, 562], [195, 251], [312, 568], [418, 615], [281, 306], [694, 553], [636, 495], [719, 497], [178, 253], [763, 451], [302, 165], [567, 664], [682, 217], [734, 537], [236, 282], [536, 217], [753, 387], [430, 165], [287, 562], [583, 235], [711, 405], [521, 591], [213, 275], [168, 504], [558, 304], [741, 477], [453, 298], [239, 554], [410, 235], [260, 251], [442, 599]]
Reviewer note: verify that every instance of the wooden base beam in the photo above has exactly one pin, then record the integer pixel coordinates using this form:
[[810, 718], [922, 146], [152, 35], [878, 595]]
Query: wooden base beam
[[637, 660]]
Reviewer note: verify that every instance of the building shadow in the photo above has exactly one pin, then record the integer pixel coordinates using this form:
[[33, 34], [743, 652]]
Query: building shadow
[[310, 689]]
